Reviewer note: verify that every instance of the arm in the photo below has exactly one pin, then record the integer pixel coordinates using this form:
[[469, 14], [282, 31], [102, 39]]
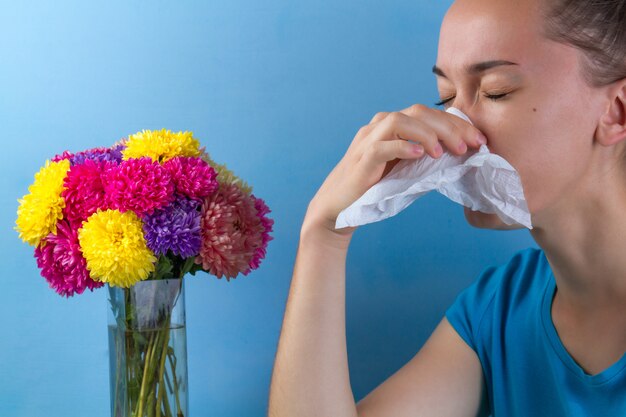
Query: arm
[[310, 376], [444, 379]]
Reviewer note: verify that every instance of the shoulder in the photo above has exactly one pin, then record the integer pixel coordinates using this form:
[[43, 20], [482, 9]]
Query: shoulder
[[496, 287], [520, 268], [518, 272], [524, 274]]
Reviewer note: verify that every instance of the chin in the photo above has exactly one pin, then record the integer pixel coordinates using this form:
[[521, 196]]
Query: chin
[[487, 220]]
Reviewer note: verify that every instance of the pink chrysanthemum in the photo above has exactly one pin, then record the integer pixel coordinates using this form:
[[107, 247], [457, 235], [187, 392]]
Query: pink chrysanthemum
[[61, 261], [262, 209], [84, 192], [138, 184], [192, 177], [232, 232]]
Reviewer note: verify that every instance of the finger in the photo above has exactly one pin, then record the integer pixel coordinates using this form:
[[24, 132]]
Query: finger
[[398, 125], [379, 116], [465, 131], [366, 129], [414, 111], [382, 152]]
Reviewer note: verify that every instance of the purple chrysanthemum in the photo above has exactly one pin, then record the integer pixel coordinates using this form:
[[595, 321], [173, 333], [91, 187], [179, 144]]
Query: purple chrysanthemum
[[193, 177], [175, 227], [113, 154], [98, 154], [62, 263], [141, 185]]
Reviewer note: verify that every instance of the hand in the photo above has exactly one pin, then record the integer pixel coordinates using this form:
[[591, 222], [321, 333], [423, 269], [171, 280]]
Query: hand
[[377, 148]]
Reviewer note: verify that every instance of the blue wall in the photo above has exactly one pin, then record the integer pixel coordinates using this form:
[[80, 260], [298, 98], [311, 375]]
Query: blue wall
[[274, 89]]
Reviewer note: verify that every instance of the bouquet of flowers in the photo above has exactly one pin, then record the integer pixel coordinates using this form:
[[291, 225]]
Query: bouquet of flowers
[[152, 207]]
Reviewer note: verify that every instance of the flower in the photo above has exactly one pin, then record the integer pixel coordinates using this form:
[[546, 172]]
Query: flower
[[64, 155], [141, 185], [122, 142], [113, 154], [115, 249], [39, 211], [225, 175], [175, 227], [84, 192], [161, 145], [62, 263], [232, 232], [193, 177], [267, 223], [98, 154]]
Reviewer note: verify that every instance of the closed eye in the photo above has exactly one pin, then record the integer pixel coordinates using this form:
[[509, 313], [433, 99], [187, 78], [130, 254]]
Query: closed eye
[[493, 97]]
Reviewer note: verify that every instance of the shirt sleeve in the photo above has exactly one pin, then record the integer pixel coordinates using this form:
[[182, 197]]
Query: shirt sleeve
[[469, 307]]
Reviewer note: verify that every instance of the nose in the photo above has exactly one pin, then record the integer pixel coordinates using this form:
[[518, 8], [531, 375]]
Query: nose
[[463, 115], [460, 113]]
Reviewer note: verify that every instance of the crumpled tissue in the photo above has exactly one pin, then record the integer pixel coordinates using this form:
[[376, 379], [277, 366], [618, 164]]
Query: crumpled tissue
[[480, 180]]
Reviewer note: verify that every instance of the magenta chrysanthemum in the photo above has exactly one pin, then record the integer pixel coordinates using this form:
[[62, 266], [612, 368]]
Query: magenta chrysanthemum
[[61, 157], [193, 177], [138, 184], [61, 261], [84, 192], [232, 232]]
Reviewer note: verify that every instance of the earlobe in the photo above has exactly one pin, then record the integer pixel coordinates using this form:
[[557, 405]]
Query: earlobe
[[612, 126]]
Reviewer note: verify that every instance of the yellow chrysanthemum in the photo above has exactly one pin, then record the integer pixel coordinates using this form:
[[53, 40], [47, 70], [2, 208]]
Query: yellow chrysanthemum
[[161, 145], [115, 249], [225, 175], [39, 211]]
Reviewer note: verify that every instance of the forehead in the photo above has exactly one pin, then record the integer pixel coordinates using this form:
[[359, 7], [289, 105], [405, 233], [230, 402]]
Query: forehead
[[479, 30]]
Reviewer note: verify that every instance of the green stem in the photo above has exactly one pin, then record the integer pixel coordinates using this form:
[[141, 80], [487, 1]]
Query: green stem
[[142, 392], [149, 376], [173, 366], [166, 403], [151, 403], [162, 364], [169, 384]]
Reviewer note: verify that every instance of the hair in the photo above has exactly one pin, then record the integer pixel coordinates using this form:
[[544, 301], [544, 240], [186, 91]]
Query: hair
[[597, 28]]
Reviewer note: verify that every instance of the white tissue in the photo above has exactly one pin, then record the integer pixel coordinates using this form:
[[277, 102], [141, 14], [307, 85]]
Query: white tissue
[[480, 180]]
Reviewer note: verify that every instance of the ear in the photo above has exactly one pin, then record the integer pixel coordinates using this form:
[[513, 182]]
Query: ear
[[612, 125]]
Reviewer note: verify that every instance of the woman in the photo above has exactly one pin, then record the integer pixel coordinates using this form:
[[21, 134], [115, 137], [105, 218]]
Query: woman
[[544, 334]]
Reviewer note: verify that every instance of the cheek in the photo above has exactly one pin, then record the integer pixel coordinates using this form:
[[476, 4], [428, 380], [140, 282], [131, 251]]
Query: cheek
[[528, 139]]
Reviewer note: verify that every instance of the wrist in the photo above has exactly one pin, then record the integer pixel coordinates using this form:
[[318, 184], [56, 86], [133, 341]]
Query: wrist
[[323, 232]]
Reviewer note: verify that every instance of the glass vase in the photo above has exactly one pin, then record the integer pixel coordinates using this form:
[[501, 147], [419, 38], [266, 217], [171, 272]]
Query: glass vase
[[148, 349]]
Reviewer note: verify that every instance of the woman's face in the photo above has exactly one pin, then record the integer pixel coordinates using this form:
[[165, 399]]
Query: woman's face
[[544, 125]]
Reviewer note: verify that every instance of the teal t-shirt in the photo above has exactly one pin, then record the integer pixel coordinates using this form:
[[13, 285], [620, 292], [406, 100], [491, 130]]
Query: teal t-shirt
[[505, 317]]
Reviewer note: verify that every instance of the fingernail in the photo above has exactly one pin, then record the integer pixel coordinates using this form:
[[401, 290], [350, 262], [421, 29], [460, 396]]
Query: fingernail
[[418, 149], [481, 139], [462, 147], [438, 149]]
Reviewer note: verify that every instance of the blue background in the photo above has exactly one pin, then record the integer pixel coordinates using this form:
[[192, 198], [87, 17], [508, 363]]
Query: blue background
[[276, 90]]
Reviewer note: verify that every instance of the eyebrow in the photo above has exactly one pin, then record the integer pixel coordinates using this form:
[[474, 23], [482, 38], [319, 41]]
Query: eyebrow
[[477, 68]]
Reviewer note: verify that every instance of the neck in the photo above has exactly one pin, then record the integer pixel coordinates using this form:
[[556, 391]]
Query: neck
[[584, 239]]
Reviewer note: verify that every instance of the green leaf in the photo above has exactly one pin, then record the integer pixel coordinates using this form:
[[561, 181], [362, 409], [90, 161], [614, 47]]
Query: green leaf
[[163, 268], [195, 268], [187, 266]]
